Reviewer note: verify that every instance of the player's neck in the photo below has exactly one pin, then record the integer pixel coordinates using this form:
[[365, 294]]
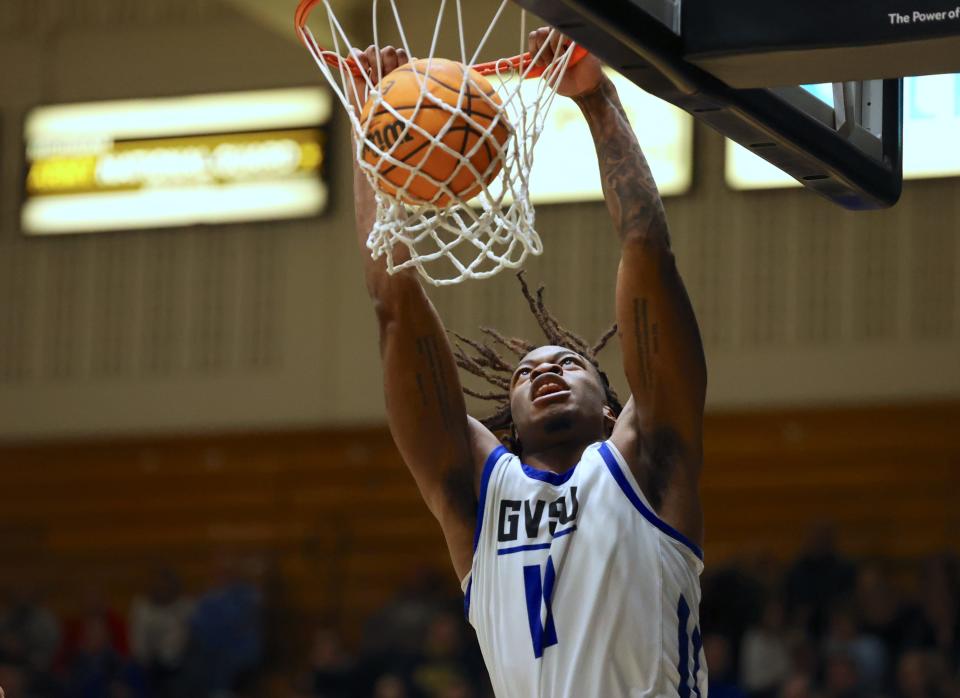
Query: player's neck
[[557, 457]]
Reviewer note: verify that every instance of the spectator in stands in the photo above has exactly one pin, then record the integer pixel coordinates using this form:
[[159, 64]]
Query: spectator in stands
[[942, 676], [29, 632], [400, 627], [159, 627], [458, 688], [935, 621], [224, 650], [279, 613], [732, 601], [915, 676], [797, 686], [866, 651], [390, 686], [878, 611], [804, 655], [721, 680], [97, 670], [333, 672], [94, 606], [841, 676], [817, 579], [445, 662], [765, 653]]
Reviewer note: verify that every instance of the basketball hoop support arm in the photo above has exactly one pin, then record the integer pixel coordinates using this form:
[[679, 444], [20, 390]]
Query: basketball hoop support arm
[[767, 122]]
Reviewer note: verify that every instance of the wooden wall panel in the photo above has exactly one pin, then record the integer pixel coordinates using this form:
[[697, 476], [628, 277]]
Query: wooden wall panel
[[334, 517]]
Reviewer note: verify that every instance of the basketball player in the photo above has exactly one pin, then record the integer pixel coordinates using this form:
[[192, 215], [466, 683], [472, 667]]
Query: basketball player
[[579, 548]]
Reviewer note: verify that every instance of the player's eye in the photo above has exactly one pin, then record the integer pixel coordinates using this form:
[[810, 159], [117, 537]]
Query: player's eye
[[521, 372], [568, 360]]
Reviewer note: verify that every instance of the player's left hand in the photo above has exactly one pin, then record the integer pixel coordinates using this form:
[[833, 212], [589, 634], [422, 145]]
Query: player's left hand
[[374, 67], [581, 77]]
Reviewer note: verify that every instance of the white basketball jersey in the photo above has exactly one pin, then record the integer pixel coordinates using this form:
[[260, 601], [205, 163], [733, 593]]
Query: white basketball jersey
[[578, 589]]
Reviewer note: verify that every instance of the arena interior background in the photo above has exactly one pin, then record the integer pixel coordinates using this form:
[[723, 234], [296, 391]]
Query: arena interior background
[[165, 394]]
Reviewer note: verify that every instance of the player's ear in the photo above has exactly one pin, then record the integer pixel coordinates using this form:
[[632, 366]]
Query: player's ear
[[609, 420]]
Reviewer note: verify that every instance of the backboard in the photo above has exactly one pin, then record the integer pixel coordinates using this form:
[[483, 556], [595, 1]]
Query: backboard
[[738, 66]]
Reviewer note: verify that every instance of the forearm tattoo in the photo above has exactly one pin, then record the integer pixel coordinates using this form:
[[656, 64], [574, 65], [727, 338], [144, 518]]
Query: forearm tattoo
[[628, 185]]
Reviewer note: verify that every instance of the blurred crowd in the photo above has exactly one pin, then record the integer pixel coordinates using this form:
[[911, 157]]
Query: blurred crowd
[[826, 626], [167, 644], [823, 626]]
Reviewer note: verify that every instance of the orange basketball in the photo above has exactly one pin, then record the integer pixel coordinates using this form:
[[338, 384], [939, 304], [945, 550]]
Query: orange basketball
[[460, 129]]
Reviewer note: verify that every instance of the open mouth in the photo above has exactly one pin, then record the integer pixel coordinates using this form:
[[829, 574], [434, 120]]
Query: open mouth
[[547, 385]]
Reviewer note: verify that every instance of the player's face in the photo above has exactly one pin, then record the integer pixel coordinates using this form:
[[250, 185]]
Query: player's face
[[556, 391]]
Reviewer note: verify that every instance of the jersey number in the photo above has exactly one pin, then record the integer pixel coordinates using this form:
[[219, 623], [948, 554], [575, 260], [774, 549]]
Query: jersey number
[[539, 592]]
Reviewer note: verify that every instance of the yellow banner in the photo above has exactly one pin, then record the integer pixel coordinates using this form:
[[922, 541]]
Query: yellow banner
[[225, 158]]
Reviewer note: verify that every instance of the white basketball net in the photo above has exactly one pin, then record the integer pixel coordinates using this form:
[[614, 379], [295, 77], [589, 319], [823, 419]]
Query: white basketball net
[[463, 239]]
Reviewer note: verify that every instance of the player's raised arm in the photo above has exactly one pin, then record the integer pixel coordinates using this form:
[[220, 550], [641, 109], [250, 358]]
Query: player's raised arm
[[425, 404], [660, 431]]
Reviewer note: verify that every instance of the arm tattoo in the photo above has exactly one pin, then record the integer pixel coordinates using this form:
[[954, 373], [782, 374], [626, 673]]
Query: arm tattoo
[[646, 338], [422, 389], [457, 481], [628, 186], [427, 349]]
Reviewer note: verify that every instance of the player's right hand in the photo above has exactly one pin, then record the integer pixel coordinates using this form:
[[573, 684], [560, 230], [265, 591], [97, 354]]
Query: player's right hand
[[372, 69], [581, 77]]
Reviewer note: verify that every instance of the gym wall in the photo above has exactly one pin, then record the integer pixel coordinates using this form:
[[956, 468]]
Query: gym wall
[[266, 326]]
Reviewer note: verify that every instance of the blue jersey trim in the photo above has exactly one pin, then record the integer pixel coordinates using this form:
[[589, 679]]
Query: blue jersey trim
[[697, 646], [546, 475], [565, 532], [488, 465], [536, 546], [466, 600], [683, 644], [521, 548], [614, 467], [491, 461]]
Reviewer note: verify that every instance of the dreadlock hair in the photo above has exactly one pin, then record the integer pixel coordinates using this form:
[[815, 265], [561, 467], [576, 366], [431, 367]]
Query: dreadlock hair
[[484, 361]]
